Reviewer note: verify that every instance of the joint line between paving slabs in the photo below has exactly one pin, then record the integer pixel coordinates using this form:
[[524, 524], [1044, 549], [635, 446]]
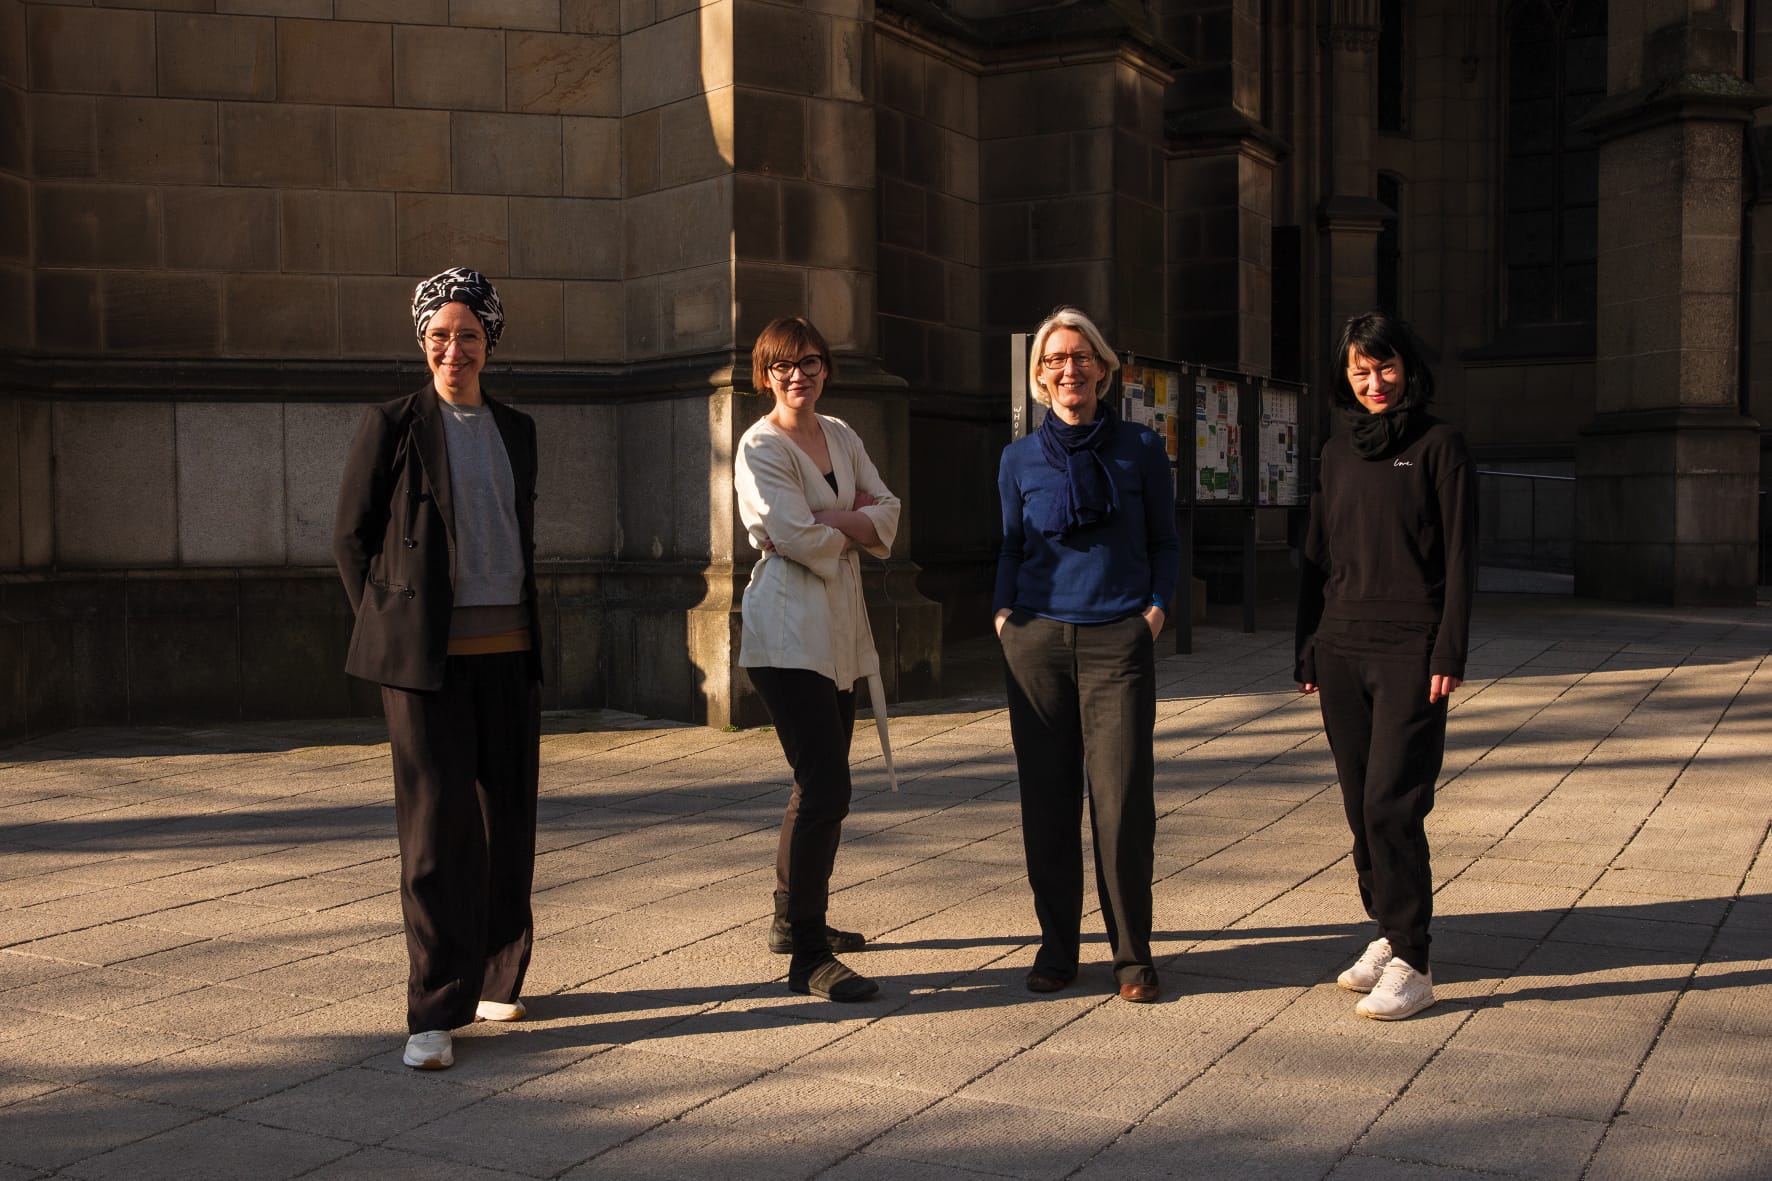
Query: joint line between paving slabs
[[1623, 1103]]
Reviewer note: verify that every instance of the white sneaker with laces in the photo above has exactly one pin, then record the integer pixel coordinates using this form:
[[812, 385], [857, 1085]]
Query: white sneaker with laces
[[499, 1011], [430, 1050], [1401, 992], [1368, 968]]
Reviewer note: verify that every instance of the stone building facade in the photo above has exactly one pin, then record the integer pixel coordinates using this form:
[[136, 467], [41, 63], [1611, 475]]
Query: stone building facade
[[212, 213]]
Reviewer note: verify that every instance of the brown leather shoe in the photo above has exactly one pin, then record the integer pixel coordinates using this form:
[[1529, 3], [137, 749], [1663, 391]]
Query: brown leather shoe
[[1041, 980], [1138, 994]]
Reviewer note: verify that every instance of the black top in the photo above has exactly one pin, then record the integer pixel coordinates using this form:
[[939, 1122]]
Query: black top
[[1393, 538], [393, 538]]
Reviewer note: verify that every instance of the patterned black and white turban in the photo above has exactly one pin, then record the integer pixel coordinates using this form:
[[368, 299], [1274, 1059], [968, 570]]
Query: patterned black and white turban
[[460, 285]]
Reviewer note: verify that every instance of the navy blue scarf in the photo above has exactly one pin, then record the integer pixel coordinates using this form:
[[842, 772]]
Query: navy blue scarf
[[1087, 496]]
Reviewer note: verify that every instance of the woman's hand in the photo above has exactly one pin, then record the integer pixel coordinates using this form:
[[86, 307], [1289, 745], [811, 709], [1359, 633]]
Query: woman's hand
[[857, 528], [767, 545], [1001, 619], [864, 499], [1440, 685], [1153, 618]]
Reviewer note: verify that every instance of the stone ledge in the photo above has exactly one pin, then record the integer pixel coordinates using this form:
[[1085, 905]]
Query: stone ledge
[[141, 379]]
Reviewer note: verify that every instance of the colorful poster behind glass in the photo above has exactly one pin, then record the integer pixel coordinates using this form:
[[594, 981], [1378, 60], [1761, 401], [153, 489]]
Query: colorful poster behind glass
[[1152, 397], [1218, 438], [1278, 479], [1248, 445]]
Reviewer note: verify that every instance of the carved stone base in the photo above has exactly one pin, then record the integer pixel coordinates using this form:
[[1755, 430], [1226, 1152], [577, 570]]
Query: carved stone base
[[1667, 508], [907, 634]]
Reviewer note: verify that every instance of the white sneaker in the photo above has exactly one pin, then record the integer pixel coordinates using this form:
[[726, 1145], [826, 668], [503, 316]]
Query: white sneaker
[[1401, 992], [499, 1011], [431, 1050], [1368, 968]]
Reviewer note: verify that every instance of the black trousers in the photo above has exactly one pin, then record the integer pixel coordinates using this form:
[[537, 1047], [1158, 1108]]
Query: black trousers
[[1388, 743], [815, 721], [466, 764], [1082, 710]]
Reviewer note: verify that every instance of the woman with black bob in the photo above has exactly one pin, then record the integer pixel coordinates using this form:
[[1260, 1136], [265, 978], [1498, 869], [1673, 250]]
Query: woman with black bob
[[1389, 569], [1088, 566], [811, 501]]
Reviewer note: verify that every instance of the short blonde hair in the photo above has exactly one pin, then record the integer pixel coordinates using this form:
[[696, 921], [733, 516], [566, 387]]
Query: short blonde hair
[[1066, 316]]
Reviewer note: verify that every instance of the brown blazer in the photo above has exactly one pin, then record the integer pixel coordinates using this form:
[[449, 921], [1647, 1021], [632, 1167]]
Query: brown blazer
[[393, 538]]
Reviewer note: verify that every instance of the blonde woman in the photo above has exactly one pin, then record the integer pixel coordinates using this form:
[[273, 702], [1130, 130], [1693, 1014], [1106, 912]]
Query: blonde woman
[[1089, 562]]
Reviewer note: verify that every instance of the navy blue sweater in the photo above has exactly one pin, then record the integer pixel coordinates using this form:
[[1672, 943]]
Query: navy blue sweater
[[1102, 572]]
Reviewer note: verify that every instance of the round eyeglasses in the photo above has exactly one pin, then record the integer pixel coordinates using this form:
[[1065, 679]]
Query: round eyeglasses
[[440, 339], [811, 366]]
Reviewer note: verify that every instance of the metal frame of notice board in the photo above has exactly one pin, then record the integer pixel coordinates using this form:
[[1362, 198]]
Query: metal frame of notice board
[[1249, 452], [1251, 449]]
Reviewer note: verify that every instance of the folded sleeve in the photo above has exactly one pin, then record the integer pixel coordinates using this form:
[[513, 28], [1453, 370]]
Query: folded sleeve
[[1313, 576], [1458, 496], [772, 504], [360, 520], [885, 509], [1009, 555]]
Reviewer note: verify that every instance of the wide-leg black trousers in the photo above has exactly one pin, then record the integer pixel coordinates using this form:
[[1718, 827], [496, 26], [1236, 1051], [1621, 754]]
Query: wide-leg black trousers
[[1082, 712], [466, 764], [1389, 742], [814, 721]]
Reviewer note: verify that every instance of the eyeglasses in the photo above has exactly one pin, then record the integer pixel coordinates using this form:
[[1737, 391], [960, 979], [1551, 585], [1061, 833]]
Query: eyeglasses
[[1055, 361], [811, 366], [442, 340]]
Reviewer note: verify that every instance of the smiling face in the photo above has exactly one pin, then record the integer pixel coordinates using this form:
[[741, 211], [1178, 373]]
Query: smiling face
[[1075, 385], [793, 389], [454, 342], [1377, 385]]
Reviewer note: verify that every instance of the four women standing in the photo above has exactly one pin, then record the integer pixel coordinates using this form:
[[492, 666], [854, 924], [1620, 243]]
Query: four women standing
[[435, 543]]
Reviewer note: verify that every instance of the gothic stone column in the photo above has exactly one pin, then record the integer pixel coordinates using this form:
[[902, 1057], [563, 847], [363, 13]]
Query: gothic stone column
[[804, 241], [1350, 215], [1667, 472], [1221, 192]]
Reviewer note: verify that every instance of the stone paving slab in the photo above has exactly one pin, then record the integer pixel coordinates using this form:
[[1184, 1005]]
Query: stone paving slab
[[202, 966]]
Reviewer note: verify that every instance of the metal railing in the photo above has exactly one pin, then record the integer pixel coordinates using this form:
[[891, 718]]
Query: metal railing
[[1526, 521]]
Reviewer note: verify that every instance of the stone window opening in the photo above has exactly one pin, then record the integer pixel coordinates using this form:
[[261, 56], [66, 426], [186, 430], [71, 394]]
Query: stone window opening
[[1390, 246], [1393, 106], [1554, 72]]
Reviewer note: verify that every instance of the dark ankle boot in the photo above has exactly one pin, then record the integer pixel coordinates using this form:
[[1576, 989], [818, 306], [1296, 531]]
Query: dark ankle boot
[[815, 971], [781, 940]]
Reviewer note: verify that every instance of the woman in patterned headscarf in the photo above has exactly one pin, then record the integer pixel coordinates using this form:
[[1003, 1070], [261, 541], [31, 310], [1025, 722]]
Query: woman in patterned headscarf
[[456, 648]]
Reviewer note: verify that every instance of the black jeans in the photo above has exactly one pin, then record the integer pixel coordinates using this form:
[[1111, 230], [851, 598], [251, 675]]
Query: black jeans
[[1082, 710], [1388, 743], [815, 721], [467, 758]]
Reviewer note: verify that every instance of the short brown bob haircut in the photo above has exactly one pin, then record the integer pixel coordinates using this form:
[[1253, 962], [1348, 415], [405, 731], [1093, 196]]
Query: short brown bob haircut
[[787, 338]]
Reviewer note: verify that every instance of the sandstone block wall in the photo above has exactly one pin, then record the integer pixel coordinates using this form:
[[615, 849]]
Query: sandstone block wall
[[237, 172]]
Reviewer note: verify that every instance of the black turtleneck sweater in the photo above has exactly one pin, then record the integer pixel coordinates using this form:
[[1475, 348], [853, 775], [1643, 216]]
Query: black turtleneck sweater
[[1393, 537]]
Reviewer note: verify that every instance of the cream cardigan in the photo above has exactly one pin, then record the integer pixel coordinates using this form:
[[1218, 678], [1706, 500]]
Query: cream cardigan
[[803, 607]]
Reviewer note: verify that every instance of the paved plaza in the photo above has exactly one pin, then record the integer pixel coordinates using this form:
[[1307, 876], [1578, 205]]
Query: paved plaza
[[202, 971]]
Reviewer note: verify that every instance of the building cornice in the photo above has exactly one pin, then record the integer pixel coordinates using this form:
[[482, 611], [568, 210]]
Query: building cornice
[[236, 380]]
